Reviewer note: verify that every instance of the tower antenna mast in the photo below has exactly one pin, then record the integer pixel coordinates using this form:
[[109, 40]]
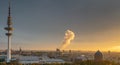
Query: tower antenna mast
[[9, 30]]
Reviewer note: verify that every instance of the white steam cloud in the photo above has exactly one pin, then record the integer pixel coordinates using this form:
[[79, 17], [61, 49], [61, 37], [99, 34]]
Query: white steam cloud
[[69, 36]]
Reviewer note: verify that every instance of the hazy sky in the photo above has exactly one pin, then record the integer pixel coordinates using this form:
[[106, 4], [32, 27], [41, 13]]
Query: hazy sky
[[41, 24]]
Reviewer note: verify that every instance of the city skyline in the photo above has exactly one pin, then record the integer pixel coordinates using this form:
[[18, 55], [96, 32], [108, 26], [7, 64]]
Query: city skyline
[[41, 25]]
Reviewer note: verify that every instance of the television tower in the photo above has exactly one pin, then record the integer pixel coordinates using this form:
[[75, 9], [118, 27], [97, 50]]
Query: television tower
[[9, 30]]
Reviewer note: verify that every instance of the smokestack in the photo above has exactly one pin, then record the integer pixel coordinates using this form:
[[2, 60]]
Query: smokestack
[[69, 36]]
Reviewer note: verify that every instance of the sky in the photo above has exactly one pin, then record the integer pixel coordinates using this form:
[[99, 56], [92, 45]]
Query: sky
[[41, 24]]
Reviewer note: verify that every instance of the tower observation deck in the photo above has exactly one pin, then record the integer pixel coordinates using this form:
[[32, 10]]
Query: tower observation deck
[[9, 30]]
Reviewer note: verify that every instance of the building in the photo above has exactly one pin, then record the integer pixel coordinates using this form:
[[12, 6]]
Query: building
[[9, 30], [36, 59], [81, 58], [98, 56], [58, 52], [28, 59], [45, 59]]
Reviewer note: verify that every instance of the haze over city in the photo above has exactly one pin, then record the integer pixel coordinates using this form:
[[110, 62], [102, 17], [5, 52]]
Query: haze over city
[[42, 24]]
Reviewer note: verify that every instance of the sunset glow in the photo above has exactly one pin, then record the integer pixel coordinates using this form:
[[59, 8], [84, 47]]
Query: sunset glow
[[41, 24]]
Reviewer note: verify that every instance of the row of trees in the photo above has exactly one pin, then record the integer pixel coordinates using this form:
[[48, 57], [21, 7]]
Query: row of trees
[[88, 62]]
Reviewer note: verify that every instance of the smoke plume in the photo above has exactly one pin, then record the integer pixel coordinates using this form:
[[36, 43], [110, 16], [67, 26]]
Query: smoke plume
[[69, 36]]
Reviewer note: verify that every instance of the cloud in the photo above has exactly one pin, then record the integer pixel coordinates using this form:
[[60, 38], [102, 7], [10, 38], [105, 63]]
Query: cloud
[[69, 36]]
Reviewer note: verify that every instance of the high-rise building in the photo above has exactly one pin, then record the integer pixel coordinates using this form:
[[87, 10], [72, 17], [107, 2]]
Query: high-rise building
[[9, 29]]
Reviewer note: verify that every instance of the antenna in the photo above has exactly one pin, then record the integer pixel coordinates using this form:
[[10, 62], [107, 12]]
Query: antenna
[[9, 7], [9, 30]]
